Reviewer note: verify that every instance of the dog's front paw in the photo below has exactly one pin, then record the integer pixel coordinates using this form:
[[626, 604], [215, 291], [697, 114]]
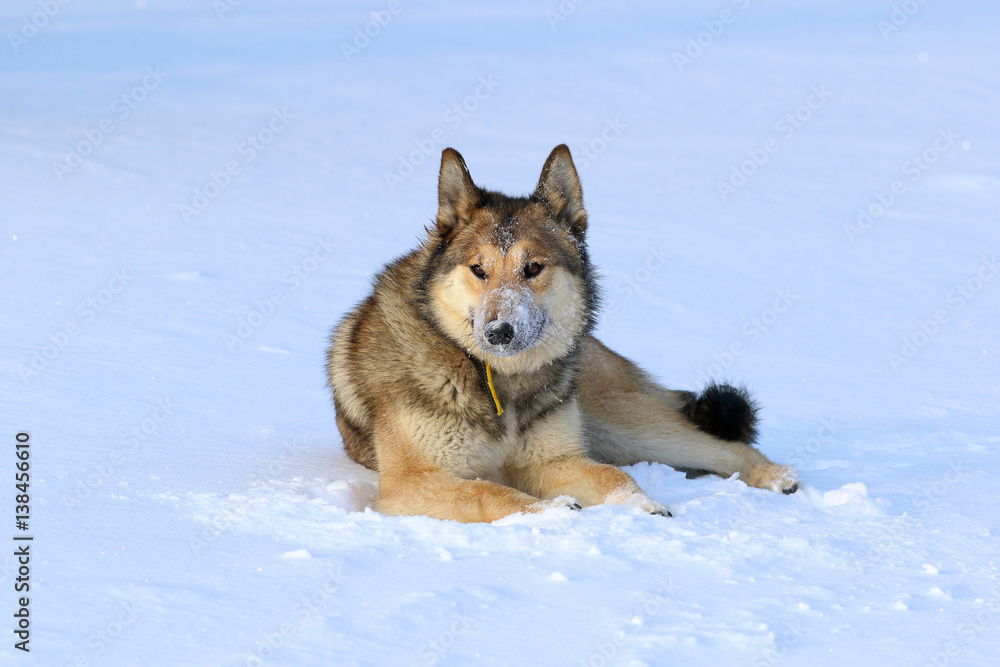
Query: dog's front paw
[[637, 499], [773, 477], [558, 501], [654, 507]]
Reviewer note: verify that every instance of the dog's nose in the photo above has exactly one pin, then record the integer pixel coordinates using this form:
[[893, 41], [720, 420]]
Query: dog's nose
[[499, 333]]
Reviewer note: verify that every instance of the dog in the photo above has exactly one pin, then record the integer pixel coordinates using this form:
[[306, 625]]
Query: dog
[[470, 379]]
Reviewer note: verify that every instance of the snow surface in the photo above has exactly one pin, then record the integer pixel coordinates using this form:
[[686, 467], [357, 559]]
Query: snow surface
[[191, 503]]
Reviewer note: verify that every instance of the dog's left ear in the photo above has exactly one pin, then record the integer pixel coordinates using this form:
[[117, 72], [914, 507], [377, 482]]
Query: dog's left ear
[[559, 185]]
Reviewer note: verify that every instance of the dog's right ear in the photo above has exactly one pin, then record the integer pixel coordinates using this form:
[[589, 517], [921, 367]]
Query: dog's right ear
[[559, 185], [456, 193]]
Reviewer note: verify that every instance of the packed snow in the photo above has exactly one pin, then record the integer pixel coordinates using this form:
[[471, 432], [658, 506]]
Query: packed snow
[[801, 196]]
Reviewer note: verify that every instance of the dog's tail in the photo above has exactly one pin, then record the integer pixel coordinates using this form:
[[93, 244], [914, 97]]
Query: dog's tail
[[725, 411]]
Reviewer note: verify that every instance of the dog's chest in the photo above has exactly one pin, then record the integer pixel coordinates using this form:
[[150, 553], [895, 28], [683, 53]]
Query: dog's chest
[[525, 402], [530, 397], [473, 441], [487, 451]]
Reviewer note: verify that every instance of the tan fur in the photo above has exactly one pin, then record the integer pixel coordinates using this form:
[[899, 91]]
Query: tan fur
[[629, 418], [409, 384], [554, 289]]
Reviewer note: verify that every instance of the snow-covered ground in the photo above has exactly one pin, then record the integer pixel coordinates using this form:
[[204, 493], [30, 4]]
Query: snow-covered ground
[[192, 194]]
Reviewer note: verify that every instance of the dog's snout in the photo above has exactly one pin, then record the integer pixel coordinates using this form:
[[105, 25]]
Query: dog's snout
[[499, 333]]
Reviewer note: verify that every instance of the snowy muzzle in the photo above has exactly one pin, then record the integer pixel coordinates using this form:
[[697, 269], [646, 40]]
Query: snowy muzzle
[[508, 321]]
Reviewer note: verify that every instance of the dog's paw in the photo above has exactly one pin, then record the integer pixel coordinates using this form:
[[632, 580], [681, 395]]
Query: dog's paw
[[654, 507], [558, 501], [637, 499], [773, 477]]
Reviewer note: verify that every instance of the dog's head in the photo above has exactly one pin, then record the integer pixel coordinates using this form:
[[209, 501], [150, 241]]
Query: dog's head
[[509, 278]]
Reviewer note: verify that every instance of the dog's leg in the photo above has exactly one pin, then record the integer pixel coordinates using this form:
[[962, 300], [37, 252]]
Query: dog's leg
[[629, 418], [441, 495], [409, 484], [551, 461]]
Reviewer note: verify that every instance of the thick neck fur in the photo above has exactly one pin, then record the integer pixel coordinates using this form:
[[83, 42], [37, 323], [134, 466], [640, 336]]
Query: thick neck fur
[[525, 396]]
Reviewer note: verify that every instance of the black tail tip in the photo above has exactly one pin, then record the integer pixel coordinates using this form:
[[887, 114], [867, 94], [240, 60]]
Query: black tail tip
[[725, 411]]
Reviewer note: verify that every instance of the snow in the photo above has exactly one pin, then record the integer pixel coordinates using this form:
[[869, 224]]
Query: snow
[[231, 180]]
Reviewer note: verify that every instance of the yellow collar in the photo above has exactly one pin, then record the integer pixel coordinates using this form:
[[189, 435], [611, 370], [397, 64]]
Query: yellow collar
[[489, 380]]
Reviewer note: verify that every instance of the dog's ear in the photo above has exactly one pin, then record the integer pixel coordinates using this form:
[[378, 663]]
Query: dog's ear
[[559, 185], [456, 193]]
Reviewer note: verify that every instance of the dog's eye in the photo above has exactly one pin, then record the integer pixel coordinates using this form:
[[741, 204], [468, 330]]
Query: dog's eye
[[478, 271], [532, 270]]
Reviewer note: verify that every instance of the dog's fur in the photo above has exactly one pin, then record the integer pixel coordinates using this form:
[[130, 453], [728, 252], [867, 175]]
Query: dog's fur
[[504, 285]]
